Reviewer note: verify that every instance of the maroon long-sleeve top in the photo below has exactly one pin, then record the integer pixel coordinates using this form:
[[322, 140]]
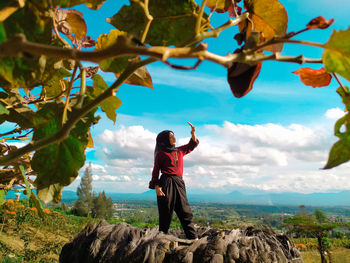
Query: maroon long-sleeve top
[[171, 163]]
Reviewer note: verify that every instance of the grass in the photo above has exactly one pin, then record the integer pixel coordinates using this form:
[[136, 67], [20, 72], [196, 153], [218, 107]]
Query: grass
[[339, 255], [25, 237]]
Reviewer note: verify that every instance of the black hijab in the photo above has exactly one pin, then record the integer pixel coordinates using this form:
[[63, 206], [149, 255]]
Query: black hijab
[[163, 143]]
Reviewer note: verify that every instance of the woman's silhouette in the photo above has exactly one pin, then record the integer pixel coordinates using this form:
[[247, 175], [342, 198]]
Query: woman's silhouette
[[170, 188]]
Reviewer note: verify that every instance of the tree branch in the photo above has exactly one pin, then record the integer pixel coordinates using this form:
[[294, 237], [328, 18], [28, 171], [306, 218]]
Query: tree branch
[[19, 45], [63, 133]]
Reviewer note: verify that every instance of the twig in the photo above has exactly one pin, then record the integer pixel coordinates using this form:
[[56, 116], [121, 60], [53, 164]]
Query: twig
[[184, 67], [70, 85], [216, 32], [63, 133], [285, 39], [16, 130], [20, 138], [277, 57], [339, 82], [233, 2], [199, 18], [82, 87]]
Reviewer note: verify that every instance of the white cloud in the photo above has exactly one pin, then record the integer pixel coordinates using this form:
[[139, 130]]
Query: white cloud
[[127, 144], [334, 114], [231, 156]]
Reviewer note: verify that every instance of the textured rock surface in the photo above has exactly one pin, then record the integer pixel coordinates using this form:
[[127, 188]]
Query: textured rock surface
[[104, 242]]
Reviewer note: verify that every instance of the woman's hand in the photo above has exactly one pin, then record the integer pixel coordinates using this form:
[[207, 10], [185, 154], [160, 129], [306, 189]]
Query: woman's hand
[[193, 131], [159, 191]]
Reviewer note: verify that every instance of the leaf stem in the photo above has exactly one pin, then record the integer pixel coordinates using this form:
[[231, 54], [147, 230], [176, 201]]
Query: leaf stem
[[149, 19], [199, 18], [284, 40], [308, 43], [70, 85], [339, 82]]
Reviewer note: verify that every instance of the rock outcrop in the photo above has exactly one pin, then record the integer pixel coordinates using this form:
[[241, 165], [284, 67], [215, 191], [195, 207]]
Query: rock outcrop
[[123, 243]]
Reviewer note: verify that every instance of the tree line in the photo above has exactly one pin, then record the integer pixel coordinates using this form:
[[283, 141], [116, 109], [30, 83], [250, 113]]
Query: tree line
[[89, 204]]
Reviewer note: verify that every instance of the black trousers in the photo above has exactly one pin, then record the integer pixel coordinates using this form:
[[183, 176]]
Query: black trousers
[[175, 198]]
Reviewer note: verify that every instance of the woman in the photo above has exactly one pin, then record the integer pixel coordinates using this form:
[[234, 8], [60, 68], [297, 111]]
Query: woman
[[170, 188]]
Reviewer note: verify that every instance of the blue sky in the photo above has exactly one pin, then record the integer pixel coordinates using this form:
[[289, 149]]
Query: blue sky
[[274, 139]]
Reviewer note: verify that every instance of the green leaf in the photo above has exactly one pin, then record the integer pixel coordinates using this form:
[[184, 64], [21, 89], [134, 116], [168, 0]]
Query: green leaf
[[24, 178], [56, 84], [108, 106], [338, 126], [32, 22], [345, 96], [37, 27], [2, 196], [57, 165], [3, 110], [336, 56], [2, 33], [21, 113], [116, 65], [173, 21], [81, 130], [269, 17], [340, 153]]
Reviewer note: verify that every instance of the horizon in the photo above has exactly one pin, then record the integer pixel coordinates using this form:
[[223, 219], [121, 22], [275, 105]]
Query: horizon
[[339, 199]]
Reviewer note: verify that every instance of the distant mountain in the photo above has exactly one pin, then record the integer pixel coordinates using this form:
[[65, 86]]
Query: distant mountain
[[236, 197]]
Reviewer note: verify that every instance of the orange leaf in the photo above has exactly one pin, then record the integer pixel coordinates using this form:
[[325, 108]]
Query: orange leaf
[[319, 22], [90, 141], [76, 23], [268, 17], [314, 77]]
